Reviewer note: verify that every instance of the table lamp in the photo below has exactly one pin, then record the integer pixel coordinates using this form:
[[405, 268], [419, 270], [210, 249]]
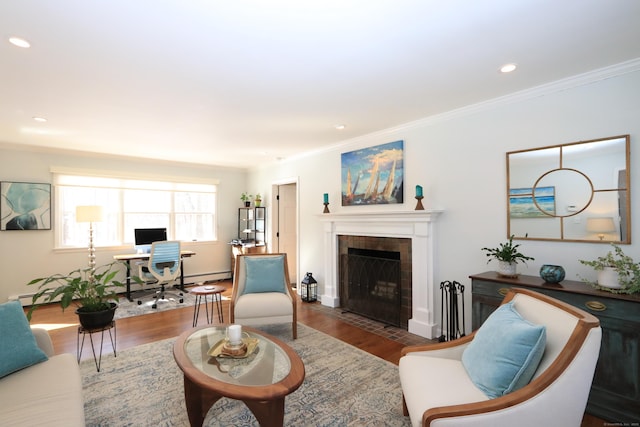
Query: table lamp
[[600, 226], [90, 214]]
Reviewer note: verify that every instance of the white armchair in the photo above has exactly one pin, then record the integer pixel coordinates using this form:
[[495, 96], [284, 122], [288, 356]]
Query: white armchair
[[262, 292], [439, 391]]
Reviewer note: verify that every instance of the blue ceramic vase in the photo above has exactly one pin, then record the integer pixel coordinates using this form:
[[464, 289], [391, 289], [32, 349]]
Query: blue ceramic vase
[[552, 273]]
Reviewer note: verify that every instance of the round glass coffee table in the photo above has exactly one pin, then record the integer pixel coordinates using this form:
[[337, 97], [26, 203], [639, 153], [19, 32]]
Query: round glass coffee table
[[261, 380]]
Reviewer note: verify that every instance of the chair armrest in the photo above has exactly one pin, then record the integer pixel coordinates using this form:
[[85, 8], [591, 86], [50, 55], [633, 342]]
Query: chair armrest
[[448, 350], [568, 380], [43, 340]]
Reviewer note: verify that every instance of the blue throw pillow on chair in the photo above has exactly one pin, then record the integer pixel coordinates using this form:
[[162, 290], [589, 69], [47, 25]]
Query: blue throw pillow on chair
[[505, 352], [18, 347], [264, 274]]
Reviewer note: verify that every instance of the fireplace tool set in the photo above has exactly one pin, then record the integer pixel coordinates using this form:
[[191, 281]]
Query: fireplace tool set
[[450, 322]]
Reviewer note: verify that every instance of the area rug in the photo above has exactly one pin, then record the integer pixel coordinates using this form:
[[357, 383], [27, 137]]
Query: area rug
[[344, 386], [128, 308]]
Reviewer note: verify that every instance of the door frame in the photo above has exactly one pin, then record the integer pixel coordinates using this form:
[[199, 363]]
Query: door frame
[[275, 215]]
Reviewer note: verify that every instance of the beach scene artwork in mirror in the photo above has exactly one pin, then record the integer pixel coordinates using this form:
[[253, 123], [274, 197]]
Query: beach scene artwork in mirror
[[522, 205], [373, 175]]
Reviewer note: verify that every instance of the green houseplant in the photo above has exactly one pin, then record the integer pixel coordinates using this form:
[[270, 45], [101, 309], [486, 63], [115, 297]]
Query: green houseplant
[[508, 256], [258, 200], [246, 198], [93, 290], [617, 272]]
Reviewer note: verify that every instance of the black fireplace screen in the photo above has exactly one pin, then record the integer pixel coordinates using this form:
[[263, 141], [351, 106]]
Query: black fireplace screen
[[370, 284]]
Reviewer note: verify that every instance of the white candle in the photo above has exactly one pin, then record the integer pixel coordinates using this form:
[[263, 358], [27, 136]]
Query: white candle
[[235, 334]]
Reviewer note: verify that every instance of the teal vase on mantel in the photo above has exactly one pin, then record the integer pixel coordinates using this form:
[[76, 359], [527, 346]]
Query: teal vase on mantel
[[552, 273]]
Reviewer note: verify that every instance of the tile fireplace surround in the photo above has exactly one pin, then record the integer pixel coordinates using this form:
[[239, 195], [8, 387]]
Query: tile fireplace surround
[[415, 225]]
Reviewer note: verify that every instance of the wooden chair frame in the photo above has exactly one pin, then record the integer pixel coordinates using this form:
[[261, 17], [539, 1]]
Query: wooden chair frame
[[584, 325], [292, 294]]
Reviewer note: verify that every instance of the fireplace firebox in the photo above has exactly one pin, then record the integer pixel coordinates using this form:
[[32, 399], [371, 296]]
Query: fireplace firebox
[[372, 284], [375, 278]]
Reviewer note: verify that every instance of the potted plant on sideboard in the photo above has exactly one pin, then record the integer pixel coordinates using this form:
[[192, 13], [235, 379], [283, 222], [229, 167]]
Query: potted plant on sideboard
[[93, 290], [508, 256], [617, 272]]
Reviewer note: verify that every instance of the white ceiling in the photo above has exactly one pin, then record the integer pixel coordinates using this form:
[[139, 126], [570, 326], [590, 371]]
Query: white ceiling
[[237, 82]]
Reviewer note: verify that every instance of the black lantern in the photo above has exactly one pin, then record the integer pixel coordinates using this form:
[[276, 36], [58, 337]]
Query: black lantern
[[309, 292]]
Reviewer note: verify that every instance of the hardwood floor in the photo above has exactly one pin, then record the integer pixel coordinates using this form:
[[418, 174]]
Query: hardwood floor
[[138, 330]]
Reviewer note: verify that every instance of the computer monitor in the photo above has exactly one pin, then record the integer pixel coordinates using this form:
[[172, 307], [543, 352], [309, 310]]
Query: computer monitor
[[146, 236]]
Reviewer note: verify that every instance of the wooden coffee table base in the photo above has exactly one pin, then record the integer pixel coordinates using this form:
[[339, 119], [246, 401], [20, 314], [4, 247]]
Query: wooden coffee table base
[[269, 413], [262, 388]]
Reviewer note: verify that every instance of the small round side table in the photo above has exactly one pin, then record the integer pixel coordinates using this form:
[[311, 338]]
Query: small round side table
[[216, 297]]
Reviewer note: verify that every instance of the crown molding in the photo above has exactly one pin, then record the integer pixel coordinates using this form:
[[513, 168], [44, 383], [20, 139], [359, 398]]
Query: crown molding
[[520, 96]]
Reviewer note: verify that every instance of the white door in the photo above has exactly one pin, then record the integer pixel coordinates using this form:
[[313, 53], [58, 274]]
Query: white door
[[287, 234]]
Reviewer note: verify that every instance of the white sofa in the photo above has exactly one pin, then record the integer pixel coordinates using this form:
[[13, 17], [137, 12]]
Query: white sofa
[[47, 394]]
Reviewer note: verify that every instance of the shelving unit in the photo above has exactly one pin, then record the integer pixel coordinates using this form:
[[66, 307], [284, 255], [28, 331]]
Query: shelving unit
[[252, 227]]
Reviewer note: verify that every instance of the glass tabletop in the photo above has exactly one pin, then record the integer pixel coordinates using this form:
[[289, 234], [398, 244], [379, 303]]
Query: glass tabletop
[[267, 365]]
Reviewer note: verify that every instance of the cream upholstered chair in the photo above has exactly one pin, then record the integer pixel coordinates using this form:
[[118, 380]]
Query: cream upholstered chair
[[446, 384], [262, 292]]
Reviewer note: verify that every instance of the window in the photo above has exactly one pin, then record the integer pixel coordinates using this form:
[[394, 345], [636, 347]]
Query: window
[[186, 210]]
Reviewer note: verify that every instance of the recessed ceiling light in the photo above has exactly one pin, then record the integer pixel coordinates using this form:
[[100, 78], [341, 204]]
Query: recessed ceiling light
[[507, 68], [17, 41], [340, 127], [40, 119]]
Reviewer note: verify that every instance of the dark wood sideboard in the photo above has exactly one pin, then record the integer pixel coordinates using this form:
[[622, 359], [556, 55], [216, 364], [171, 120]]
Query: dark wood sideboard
[[615, 393]]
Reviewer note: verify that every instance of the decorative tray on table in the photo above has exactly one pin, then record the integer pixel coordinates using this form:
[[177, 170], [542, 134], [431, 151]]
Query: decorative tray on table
[[223, 349]]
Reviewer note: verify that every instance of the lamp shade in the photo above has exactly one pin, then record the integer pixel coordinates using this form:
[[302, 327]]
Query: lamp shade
[[601, 225], [89, 213]]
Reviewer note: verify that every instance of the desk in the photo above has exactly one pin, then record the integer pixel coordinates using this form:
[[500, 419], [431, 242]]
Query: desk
[[127, 258], [247, 248]]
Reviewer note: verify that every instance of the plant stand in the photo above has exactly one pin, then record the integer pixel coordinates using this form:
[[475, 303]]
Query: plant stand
[[84, 331]]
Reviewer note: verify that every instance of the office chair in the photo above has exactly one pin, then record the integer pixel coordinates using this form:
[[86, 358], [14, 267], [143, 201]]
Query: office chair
[[163, 267]]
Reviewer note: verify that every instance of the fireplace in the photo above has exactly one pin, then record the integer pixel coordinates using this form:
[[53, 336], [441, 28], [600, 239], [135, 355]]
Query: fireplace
[[375, 278], [417, 288]]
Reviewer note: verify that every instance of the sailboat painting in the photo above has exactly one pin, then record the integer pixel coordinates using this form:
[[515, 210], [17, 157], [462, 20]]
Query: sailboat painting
[[373, 175]]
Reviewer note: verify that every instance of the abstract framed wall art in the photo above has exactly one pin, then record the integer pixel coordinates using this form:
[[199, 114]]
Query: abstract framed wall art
[[373, 175], [25, 206], [521, 202]]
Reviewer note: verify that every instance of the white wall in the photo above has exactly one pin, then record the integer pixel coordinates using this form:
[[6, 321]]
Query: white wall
[[30, 254], [460, 162]]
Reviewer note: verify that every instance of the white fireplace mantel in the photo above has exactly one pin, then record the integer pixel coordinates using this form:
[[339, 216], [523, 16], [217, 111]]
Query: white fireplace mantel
[[416, 225]]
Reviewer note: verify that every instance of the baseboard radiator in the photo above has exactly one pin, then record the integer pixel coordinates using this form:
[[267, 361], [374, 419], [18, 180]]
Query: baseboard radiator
[[190, 279]]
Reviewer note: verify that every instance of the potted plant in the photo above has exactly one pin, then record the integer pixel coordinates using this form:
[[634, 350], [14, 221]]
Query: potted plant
[[258, 200], [617, 272], [246, 198], [508, 257], [93, 290]]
